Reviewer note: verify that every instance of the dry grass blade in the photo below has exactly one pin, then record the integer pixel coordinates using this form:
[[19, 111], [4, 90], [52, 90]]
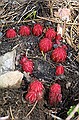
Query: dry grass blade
[[11, 114], [31, 109]]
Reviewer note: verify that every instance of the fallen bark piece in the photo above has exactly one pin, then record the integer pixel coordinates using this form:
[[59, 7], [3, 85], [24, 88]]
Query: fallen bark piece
[[11, 79]]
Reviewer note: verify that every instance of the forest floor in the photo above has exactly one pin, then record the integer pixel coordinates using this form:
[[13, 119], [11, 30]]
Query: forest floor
[[13, 14]]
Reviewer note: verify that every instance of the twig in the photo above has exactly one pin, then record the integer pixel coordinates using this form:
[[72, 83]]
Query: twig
[[72, 28], [17, 2], [15, 47], [5, 5], [40, 18], [26, 8], [26, 13], [31, 109], [78, 118], [11, 113], [64, 28], [56, 21], [8, 15], [73, 112], [51, 10], [56, 117]]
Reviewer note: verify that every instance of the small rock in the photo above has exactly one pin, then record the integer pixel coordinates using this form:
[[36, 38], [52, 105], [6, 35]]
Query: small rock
[[11, 79], [7, 62]]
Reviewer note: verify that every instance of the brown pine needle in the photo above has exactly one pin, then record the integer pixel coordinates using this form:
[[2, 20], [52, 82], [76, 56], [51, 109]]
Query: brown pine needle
[[11, 113], [31, 109]]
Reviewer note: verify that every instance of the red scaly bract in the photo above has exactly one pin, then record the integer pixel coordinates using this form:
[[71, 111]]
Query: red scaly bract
[[31, 97], [59, 54], [36, 86], [45, 45], [55, 95], [23, 60], [37, 30], [35, 91], [11, 33], [28, 66], [59, 70], [50, 33], [24, 30], [58, 38], [65, 47]]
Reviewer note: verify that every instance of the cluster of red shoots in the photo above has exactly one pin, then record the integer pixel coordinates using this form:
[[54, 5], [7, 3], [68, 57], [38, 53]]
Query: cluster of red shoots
[[35, 91], [36, 88], [27, 65], [55, 95], [25, 31], [59, 54]]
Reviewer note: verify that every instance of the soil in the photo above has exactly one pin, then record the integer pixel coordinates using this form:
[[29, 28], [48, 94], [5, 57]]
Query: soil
[[13, 99]]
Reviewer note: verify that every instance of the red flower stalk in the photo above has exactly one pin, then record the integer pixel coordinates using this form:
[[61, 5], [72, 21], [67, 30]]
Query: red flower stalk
[[55, 95], [35, 91], [50, 33], [11, 33], [24, 30], [28, 66], [59, 70], [37, 30], [59, 54], [45, 45]]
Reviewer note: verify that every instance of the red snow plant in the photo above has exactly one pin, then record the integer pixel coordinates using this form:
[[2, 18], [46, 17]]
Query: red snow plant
[[35, 91], [55, 95]]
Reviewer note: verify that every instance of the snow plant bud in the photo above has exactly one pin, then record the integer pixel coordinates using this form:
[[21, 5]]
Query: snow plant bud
[[50, 33], [11, 33], [59, 54], [24, 31], [27, 65], [59, 70], [35, 91], [55, 95], [45, 45], [58, 38], [23, 60], [37, 30]]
